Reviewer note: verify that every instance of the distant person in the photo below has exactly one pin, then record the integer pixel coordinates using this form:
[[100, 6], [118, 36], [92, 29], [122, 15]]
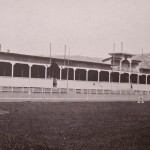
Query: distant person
[[140, 98], [54, 72]]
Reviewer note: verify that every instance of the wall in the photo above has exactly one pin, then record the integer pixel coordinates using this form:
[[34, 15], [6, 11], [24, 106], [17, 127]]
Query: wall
[[48, 83]]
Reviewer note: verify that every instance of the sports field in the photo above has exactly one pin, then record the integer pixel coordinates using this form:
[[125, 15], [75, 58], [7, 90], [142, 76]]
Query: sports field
[[75, 126]]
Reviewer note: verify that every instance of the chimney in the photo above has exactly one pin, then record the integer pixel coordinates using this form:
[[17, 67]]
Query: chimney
[[8, 51], [0, 47]]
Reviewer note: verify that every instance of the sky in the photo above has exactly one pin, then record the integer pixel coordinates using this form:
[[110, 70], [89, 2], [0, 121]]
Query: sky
[[86, 27]]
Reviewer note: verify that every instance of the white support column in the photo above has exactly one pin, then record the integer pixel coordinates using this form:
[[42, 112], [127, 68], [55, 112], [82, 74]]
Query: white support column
[[87, 74], [138, 80], [99, 74], [74, 73], [146, 78], [119, 77], [130, 65], [109, 75], [120, 65], [30, 65], [129, 77], [12, 69]]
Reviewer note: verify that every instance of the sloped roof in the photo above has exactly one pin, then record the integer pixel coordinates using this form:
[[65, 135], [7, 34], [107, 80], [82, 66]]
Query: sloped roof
[[110, 58], [46, 60], [122, 53]]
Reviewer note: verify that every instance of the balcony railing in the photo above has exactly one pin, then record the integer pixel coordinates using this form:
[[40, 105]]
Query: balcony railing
[[134, 70]]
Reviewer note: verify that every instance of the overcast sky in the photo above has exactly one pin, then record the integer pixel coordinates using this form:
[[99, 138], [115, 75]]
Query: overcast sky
[[88, 27]]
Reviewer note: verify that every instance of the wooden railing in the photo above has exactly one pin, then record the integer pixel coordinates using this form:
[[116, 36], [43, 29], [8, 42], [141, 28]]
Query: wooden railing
[[30, 90]]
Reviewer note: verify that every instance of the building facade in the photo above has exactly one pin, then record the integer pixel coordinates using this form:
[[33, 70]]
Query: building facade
[[117, 72]]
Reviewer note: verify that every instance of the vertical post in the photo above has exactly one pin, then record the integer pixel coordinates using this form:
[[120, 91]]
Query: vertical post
[[119, 77], [67, 75], [65, 56], [87, 74], [109, 75], [120, 82], [29, 92], [130, 65], [138, 80], [30, 70], [68, 71], [129, 78], [120, 65], [146, 76], [43, 92], [74, 74], [98, 74], [50, 54], [113, 58], [87, 83], [12, 70], [142, 58]]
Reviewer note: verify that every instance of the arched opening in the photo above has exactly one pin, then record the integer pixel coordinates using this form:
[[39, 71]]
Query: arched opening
[[21, 70], [125, 65], [92, 75], [70, 74], [142, 79], [80, 74], [5, 69], [37, 71], [114, 76], [104, 76], [124, 78], [148, 79], [133, 78]]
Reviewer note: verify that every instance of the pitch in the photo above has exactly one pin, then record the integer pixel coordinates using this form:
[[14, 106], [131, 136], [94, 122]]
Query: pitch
[[75, 125]]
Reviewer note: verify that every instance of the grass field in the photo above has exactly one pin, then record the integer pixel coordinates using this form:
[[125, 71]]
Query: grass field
[[75, 126]]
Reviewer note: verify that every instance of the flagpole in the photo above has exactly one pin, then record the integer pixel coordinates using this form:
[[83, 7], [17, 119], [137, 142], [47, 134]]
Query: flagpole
[[68, 69], [50, 55], [113, 60], [142, 60], [112, 74], [65, 56], [113, 57], [0, 47]]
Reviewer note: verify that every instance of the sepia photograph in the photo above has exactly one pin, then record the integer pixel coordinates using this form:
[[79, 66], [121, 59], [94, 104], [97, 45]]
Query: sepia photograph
[[74, 74]]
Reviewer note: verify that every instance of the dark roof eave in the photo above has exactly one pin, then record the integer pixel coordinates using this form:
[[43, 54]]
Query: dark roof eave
[[136, 60], [121, 53], [145, 68]]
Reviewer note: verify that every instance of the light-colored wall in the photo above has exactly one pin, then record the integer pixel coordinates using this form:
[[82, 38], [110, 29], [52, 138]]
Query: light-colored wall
[[25, 82], [48, 83]]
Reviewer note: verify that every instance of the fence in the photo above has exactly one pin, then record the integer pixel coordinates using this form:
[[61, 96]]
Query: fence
[[5, 89]]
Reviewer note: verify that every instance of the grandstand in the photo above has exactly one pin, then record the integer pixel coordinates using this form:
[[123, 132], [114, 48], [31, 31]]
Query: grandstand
[[27, 74]]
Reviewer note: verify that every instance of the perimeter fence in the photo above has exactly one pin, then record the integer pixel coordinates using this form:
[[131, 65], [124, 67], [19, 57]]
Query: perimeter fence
[[30, 90]]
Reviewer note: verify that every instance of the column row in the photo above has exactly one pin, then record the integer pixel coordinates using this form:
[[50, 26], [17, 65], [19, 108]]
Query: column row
[[43, 71]]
